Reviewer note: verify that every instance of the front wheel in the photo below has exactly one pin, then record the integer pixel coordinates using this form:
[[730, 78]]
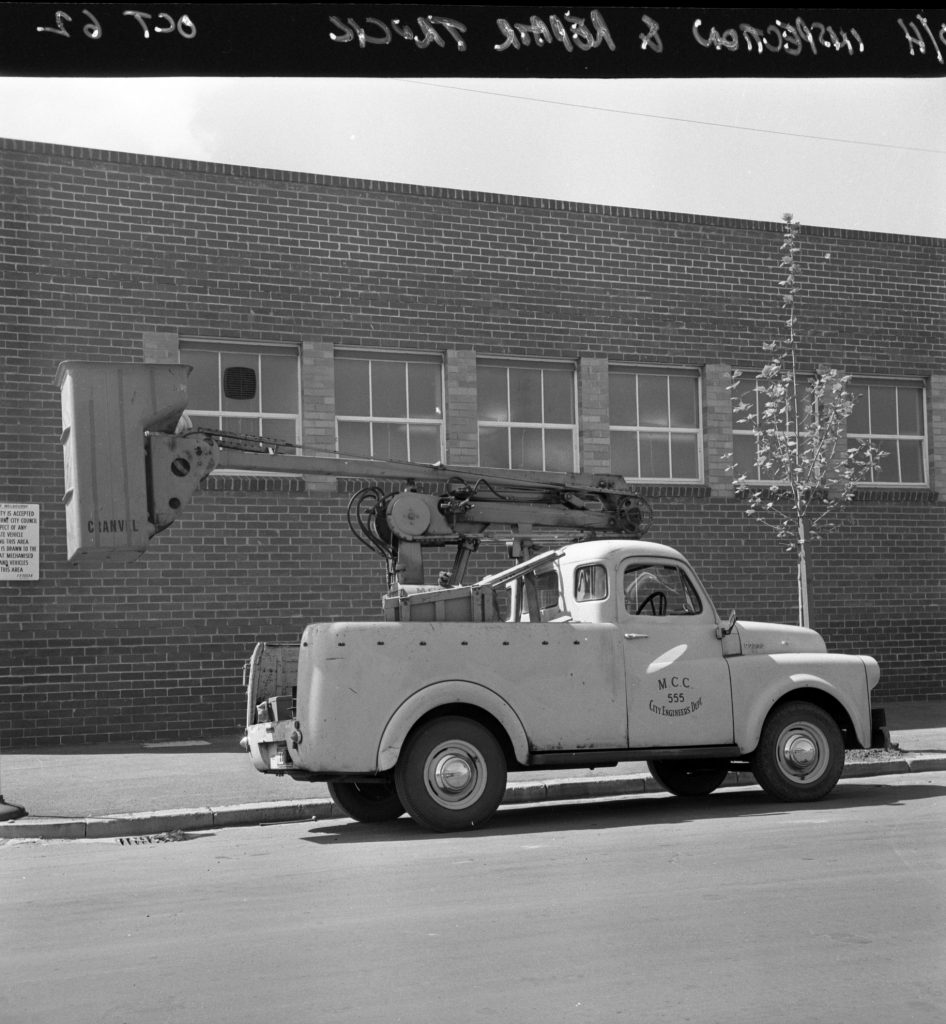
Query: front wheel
[[800, 754], [367, 801], [689, 778], [451, 775]]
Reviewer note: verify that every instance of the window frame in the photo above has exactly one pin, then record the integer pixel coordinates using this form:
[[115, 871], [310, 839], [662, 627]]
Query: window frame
[[737, 431], [542, 425], [893, 450], [697, 431], [743, 431], [223, 346], [406, 357]]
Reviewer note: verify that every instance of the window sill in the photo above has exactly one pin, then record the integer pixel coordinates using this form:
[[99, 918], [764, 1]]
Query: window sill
[[223, 480], [671, 490], [920, 494]]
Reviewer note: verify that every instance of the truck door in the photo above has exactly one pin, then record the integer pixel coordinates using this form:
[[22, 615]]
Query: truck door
[[678, 688]]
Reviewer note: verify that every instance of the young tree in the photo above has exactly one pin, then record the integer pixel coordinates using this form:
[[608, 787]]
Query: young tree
[[798, 475]]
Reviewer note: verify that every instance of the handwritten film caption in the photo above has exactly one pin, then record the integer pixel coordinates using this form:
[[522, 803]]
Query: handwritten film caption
[[790, 38], [572, 32]]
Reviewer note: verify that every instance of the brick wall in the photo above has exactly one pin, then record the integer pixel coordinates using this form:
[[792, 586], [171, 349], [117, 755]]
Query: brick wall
[[118, 257]]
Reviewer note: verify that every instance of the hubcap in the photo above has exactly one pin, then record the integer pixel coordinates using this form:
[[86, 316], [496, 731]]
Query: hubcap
[[455, 775], [803, 752]]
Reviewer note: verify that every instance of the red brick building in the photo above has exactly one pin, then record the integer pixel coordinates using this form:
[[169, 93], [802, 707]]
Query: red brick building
[[425, 322]]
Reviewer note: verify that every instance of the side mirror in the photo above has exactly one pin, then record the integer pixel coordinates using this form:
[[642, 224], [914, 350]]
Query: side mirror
[[725, 628]]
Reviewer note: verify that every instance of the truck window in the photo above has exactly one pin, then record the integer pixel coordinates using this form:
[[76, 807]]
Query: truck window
[[591, 583], [659, 590], [535, 597], [546, 585]]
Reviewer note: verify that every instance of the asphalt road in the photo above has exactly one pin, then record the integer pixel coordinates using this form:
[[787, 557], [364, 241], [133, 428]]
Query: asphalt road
[[646, 909]]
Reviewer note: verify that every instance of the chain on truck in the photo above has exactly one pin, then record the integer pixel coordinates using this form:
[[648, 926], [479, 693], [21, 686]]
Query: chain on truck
[[597, 649]]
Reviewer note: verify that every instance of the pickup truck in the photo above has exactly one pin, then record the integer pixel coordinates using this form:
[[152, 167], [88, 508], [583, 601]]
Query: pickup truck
[[604, 650], [591, 654]]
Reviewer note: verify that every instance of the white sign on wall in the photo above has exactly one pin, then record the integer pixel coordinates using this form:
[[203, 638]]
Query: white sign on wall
[[19, 542]]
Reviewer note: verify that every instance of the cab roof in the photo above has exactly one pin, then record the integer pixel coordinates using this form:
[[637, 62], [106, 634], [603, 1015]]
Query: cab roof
[[617, 547]]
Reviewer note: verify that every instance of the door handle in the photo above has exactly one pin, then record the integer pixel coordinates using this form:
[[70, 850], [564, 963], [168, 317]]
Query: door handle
[[635, 636]]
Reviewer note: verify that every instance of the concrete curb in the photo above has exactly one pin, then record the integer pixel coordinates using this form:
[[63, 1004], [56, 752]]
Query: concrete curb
[[202, 818]]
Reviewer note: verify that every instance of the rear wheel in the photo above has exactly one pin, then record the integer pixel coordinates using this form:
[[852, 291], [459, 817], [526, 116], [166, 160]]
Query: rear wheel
[[689, 778], [367, 801], [800, 754], [451, 775]]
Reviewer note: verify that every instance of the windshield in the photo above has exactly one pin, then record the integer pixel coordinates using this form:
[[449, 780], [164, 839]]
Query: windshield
[[659, 590]]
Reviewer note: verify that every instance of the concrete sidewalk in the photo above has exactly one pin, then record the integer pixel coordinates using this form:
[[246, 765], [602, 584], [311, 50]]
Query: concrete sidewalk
[[141, 789]]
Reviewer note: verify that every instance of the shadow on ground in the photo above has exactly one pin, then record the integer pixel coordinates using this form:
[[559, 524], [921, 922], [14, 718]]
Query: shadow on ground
[[638, 811]]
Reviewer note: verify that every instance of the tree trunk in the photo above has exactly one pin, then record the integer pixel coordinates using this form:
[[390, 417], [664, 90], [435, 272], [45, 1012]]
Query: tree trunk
[[804, 617]]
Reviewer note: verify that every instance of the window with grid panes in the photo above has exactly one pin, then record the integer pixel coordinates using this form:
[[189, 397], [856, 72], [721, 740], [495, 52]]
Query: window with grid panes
[[745, 446], [389, 406], [526, 416], [891, 414], [749, 459], [244, 389], [656, 432]]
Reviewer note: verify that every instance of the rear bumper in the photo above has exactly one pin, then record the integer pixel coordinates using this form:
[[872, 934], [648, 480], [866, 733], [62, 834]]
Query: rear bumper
[[269, 744]]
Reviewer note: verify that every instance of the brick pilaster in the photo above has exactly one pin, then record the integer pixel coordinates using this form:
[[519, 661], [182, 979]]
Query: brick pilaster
[[460, 398], [161, 346], [717, 427], [594, 437], [937, 402]]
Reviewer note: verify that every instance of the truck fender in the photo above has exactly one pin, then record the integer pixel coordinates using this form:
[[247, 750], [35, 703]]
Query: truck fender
[[751, 718], [453, 691]]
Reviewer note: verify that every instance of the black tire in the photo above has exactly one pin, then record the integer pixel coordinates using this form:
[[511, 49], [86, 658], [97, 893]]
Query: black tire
[[367, 801], [451, 775], [800, 754], [689, 778]]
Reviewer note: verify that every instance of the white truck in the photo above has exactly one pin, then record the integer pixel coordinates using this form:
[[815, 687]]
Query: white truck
[[589, 653]]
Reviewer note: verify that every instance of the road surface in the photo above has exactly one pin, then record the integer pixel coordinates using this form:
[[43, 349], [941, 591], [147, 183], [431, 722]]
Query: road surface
[[646, 909]]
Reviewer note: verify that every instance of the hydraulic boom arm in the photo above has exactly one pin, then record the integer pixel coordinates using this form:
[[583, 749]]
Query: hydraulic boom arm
[[129, 473]]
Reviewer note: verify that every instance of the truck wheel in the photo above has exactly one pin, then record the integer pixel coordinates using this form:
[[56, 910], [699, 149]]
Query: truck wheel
[[368, 801], [689, 778], [451, 775], [800, 754]]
